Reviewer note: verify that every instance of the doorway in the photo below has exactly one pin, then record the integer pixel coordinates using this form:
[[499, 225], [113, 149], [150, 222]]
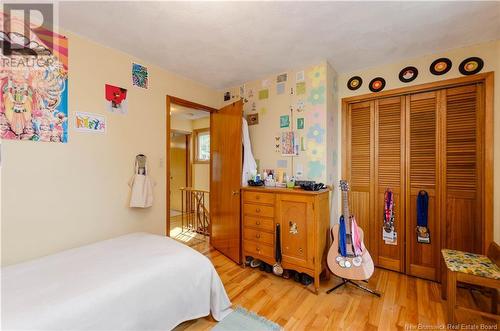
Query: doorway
[[188, 171]]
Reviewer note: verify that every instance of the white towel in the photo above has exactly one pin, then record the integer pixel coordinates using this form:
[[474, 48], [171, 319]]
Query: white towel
[[249, 164], [142, 189]]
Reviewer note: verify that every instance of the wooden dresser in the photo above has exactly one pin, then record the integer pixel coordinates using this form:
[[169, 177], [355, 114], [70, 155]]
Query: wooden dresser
[[304, 221]]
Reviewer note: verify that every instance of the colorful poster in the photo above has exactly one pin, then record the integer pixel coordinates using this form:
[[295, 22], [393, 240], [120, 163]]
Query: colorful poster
[[299, 76], [139, 75], [287, 144], [253, 119], [281, 78], [88, 122], [116, 99], [284, 121], [263, 94], [34, 88]]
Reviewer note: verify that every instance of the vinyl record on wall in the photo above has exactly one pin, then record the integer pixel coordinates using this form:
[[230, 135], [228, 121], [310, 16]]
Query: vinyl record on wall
[[440, 66], [408, 74], [471, 66], [354, 83], [377, 84]]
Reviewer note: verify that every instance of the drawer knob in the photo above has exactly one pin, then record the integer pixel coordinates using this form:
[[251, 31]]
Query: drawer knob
[[258, 249], [257, 210], [301, 250], [257, 222], [257, 235]]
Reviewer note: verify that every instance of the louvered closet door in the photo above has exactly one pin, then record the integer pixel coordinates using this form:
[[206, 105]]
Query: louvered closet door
[[462, 152], [360, 165], [389, 173], [422, 260]]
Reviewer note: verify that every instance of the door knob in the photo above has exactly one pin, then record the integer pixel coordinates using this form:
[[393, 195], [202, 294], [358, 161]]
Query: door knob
[[236, 192]]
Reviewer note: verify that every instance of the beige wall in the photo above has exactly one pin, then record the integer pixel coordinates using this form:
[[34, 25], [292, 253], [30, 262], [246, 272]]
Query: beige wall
[[58, 196], [201, 171], [489, 52]]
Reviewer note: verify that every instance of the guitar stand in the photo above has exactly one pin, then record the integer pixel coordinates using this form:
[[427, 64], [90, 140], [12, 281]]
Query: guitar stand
[[348, 281]]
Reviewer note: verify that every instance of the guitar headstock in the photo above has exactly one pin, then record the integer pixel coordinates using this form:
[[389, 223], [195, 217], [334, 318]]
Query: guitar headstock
[[344, 185]]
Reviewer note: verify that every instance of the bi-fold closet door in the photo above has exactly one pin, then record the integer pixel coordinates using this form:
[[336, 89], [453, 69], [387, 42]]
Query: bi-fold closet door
[[431, 141]]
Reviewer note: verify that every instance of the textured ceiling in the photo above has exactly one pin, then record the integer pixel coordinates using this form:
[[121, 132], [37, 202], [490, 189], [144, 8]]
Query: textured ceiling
[[223, 44]]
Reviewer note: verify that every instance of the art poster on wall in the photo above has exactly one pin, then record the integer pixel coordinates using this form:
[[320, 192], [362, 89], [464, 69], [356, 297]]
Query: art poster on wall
[[139, 75], [288, 144], [284, 121], [116, 99], [34, 88], [90, 122]]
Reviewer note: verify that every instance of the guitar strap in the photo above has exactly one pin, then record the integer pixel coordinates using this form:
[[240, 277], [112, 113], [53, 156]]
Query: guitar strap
[[388, 210], [423, 234], [342, 241], [356, 239]]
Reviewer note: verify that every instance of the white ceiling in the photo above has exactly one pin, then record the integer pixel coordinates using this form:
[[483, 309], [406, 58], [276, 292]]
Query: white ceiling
[[187, 113], [223, 44]]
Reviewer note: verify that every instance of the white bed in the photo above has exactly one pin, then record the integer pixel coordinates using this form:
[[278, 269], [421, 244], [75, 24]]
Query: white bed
[[134, 282]]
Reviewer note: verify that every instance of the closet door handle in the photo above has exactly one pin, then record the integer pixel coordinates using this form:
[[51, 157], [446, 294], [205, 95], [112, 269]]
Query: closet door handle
[[257, 222], [257, 210], [257, 235]]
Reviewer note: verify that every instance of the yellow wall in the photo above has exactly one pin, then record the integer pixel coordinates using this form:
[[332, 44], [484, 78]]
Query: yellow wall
[[201, 171], [58, 196], [489, 52], [177, 170]]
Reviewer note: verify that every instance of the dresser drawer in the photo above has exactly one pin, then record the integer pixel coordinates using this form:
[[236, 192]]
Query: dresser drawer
[[258, 210], [252, 248], [266, 224], [258, 197], [258, 236]]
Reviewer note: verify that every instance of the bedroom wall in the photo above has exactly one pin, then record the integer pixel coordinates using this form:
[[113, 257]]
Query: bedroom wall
[[312, 159], [58, 196], [489, 52], [201, 171]]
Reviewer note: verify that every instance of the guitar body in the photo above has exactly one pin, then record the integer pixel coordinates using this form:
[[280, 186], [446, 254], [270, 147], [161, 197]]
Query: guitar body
[[362, 272]]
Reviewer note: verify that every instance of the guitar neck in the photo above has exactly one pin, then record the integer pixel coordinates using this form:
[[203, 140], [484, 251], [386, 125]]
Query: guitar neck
[[346, 212]]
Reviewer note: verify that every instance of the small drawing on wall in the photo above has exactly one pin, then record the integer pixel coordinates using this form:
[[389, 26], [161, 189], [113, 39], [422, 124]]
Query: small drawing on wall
[[284, 121], [288, 144], [88, 122], [263, 94], [281, 78], [300, 105], [300, 123], [299, 76], [116, 99], [301, 88], [277, 146], [408, 74], [227, 96], [139, 75], [280, 88], [253, 119]]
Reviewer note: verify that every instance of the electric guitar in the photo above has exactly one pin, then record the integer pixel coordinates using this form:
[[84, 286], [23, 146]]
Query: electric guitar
[[349, 266]]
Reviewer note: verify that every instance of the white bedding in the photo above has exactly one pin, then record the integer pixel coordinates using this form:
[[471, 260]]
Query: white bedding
[[134, 282]]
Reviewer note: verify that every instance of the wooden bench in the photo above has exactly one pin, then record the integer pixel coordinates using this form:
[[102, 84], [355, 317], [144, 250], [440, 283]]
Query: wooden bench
[[472, 269]]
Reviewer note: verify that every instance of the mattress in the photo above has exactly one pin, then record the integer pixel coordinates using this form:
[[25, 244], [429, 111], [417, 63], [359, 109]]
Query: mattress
[[135, 282]]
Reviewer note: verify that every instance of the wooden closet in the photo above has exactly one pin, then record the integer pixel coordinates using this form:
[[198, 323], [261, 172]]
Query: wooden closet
[[434, 137]]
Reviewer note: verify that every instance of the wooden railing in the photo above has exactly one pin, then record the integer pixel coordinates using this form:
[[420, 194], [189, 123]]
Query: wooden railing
[[195, 212]]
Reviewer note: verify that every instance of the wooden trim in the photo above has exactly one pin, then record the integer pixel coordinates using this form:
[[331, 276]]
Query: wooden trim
[[196, 132], [171, 100], [484, 77], [488, 159], [189, 161]]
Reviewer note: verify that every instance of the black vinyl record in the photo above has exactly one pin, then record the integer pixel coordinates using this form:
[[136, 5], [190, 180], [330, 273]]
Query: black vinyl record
[[471, 66], [354, 83], [377, 84], [408, 74], [440, 66]]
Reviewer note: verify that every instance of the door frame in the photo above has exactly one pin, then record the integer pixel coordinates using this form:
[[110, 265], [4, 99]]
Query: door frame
[[172, 100], [487, 79]]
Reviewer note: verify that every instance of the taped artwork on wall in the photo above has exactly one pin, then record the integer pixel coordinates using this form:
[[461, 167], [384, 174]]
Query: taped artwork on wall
[[139, 75], [227, 96], [253, 119], [34, 93], [301, 88], [284, 121], [288, 144], [281, 78], [299, 76], [281, 163], [300, 123], [317, 95], [116, 99], [263, 111], [263, 94], [280, 88], [300, 105], [89, 122], [277, 146]]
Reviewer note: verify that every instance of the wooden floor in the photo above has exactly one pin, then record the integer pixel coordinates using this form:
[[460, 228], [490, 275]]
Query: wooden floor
[[406, 302]]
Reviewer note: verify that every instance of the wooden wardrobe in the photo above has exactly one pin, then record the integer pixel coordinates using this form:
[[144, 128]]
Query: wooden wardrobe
[[435, 137]]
